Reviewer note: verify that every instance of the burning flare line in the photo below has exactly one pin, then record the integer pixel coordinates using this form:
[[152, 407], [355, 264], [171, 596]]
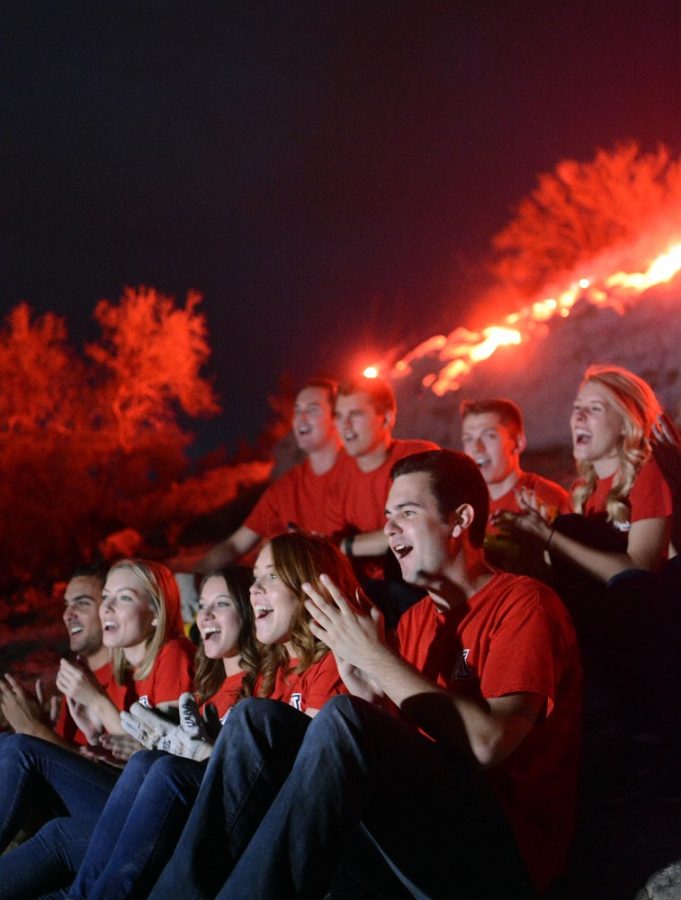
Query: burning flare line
[[462, 350]]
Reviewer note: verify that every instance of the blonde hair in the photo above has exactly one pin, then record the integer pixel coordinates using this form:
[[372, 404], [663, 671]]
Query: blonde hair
[[636, 403], [160, 588], [298, 558]]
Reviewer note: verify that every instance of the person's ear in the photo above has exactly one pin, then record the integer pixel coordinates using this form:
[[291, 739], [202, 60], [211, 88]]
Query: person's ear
[[390, 418], [461, 519], [154, 621], [520, 442]]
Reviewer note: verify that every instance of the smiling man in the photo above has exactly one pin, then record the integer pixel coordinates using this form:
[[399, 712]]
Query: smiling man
[[467, 782], [365, 417], [300, 497], [82, 600], [493, 436]]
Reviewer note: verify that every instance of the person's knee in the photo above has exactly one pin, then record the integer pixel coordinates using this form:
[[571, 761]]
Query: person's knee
[[338, 715], [140, 763], [255, 712]]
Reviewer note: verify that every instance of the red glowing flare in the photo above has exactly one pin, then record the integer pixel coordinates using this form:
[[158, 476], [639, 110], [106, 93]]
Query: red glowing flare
[[370, 372], [461, 350]]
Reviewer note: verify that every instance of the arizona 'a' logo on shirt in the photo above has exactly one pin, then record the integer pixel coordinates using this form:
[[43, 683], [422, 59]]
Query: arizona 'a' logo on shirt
[[461, 669], [296, 701]]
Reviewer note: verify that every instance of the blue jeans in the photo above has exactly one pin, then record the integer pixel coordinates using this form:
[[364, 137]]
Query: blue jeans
[[139, 827], [37, 774], [287, 800]]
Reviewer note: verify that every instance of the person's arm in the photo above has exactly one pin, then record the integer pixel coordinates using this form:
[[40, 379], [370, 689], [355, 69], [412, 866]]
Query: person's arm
[[644, 548], [488, 729], [81, 688], [227, 551], [372, 543]]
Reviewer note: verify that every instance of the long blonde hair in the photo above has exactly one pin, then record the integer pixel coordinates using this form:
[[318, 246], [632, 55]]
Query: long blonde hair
[[300, 557], [635, 401], [162, 591]]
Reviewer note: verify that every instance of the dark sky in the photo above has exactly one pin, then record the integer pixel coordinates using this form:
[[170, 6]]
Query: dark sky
[[327, 174]]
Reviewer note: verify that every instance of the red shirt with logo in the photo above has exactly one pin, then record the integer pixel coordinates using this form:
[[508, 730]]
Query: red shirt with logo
[[172, 674], [514, 636], [309, 689]]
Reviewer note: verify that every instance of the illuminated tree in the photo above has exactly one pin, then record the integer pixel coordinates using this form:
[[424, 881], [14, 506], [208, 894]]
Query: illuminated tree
[[91, 443], [581, 209]]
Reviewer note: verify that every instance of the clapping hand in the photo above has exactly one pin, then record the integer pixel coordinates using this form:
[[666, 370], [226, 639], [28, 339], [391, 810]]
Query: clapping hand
[[189, 739]]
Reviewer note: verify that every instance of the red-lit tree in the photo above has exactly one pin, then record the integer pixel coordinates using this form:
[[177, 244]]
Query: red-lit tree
[[92, 443], [580, 209]]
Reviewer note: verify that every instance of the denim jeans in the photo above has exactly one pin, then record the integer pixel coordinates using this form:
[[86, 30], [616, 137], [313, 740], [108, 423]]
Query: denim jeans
[[64, 786], [287, 800], [139, 827]]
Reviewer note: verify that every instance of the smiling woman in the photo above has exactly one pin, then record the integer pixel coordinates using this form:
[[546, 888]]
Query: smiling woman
[[153, 662]]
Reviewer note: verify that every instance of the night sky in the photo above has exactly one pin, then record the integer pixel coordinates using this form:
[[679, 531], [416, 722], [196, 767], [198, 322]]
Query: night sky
[[328, 174]]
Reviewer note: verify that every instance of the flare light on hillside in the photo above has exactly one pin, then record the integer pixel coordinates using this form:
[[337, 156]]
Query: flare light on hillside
[[462, 349]]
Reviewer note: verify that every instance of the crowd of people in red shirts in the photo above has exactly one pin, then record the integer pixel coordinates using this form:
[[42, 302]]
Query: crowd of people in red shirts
[[389, 703]]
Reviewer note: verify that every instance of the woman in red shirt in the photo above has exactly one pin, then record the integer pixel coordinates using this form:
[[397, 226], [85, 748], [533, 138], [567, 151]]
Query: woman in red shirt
[[141, 823], [620, 484], [152, 661]]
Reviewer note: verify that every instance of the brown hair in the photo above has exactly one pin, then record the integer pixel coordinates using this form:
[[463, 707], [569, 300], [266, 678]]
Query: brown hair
[[509, 412], [300, 557], [210, 673]]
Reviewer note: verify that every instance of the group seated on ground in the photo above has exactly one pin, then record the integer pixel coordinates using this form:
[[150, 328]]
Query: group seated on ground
[[269, 766]]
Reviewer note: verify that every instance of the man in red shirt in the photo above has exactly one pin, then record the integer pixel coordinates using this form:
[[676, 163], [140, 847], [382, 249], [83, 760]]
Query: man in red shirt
[[300, 497], [82, 599], [464, 783], [493, 436], [365, 417]]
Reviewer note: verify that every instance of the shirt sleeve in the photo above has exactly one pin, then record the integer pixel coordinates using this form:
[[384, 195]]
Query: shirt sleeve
[[173, 672], [321, 682], [650, 497], [524, 648]]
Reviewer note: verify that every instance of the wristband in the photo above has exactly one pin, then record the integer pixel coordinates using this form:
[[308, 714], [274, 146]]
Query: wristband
[[548, 540], [348, 541]]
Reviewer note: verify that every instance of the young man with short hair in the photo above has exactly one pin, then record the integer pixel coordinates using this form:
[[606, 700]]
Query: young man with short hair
[[299, 498], [464, 786], [365, 417], [493, 436], [82, 600]]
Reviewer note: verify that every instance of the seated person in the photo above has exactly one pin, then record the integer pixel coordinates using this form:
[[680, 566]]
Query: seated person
[[298, 499], [82, 600], [464, 785], [365, 417], [493, 436]]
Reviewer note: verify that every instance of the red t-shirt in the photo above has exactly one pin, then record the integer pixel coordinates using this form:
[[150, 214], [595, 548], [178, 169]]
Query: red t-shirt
[[299, 497], [171, 675], [515, 636], [649, 498], [65, 727], [226, 696], [548, 492], [357, 501], [309, 689]]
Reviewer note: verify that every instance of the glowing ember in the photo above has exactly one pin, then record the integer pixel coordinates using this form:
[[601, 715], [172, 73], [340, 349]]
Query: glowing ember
[[462, 349], [370, 372]]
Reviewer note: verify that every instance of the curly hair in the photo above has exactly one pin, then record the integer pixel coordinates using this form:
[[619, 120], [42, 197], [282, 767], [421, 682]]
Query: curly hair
[[300, 557], [635, 401], [210, 673]]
